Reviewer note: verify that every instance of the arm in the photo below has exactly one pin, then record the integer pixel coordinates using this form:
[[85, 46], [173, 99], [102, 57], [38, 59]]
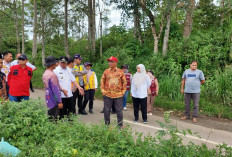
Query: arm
[[124, 83], [182, 85], [202, 81], [157, 87], [55, 86], [202, 78], [103, 80], [9, 76], [73, 80], [96, 83]]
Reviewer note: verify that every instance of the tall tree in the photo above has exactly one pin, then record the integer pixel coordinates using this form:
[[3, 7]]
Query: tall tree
[[43, 31], [34, 48], [156, 35], [66, 28], [91, 27], [23, 34], [188, 24]]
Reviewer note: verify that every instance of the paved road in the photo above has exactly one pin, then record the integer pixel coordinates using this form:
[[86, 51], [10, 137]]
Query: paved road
[[211, 131]]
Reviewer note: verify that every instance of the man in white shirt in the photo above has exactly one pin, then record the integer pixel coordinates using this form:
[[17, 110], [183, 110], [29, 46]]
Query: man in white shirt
[[6, 66], [16, 62], [66, 78]]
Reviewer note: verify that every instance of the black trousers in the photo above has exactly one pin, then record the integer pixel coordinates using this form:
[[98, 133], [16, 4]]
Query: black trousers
[[118, 104], [137, 102], [76, 95], [31, 87], [54, 112], [67, 107], [89, 97]]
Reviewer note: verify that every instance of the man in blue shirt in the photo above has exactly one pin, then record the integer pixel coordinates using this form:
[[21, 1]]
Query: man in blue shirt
[[192, 80]]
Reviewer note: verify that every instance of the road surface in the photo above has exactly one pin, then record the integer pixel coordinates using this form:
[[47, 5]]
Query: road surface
[[211, 131]]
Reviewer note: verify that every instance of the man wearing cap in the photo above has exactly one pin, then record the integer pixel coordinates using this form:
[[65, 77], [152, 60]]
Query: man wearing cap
[[6, 67], [19, 80], [52, 88], [65, 78], [16, 62], [128, 76], [90, 81], [113, 87], [79, 72]]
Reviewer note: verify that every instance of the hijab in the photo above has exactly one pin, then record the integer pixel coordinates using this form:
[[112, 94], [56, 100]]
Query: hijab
[[89, 73], [139, 78]]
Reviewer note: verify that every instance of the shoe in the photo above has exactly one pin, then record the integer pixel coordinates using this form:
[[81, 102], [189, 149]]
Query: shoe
[[113, 112], [194, 120], [32, 90], [102, 111], [83, 112], [184, 118], [124, 108], [149, 114], [145, 121], [91, 111], [135, 121]]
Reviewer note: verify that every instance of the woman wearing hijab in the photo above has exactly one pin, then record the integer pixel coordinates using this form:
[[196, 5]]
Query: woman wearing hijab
[[141, 82], [152, 92], [90, 85]]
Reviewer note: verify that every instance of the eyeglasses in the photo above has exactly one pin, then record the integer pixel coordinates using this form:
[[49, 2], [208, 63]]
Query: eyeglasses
[[21, 59]]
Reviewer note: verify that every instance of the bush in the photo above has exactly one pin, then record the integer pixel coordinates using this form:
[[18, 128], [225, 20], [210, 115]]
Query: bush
[[26, 126]]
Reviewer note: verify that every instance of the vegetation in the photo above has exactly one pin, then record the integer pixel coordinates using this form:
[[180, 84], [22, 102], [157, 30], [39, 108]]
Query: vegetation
[[34, 134]]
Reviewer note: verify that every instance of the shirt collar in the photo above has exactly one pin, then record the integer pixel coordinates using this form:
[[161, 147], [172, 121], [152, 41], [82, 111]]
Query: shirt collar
[[116, 69]]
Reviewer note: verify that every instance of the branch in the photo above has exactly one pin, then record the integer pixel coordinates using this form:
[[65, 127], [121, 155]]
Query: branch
[[7, 15]]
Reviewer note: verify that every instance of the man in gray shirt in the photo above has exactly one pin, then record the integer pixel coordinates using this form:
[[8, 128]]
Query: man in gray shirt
[[192, 80]]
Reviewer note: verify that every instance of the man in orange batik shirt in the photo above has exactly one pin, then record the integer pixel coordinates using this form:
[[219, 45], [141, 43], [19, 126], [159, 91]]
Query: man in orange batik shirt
[[113, 87]]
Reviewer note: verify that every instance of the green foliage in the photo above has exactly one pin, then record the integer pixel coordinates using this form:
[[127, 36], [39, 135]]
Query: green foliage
[[26, 126]]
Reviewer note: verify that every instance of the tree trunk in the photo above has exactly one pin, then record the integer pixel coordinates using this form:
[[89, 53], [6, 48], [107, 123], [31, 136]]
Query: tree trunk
[[34, 49], [222, 5], [94, 29], [23, 35], [43, 32], [16, 25], [188, 24], [91, 27], [153, 28], [136, 10], [166, 35], [66, 28], [101, 53]]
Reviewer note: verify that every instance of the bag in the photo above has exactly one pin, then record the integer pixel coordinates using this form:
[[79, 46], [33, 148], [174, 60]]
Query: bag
[[8, 150]]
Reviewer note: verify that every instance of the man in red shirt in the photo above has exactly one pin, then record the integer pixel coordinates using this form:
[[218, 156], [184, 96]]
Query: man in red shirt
[[19, 80]]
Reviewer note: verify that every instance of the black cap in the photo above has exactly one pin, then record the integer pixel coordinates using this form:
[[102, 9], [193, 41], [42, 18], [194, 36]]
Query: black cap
[[50, 60], [23, 56], [125, 66], [70, 60], [88, 63], [77, 56], [1, 56], [63, 59]]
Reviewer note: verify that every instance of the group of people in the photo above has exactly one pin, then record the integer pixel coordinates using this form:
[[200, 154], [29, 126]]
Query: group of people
[[15, 77], [68, 84]]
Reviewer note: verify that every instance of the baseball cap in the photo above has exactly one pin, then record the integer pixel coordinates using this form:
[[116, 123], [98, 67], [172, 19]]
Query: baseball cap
[[23, 56], [88, 63], [77, 56], [50, 60], [63, 59], [113, 59]]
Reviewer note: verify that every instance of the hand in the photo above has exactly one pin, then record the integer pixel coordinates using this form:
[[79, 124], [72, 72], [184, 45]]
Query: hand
[[95, 89], [182, 91], [60, 105], [157, 93], [65, 92], [81, 91]]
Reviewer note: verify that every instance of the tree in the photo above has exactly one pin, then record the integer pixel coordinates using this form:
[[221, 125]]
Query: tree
[[91, 27], [23, 34], [34, 48], [156, 35], [189, 18], [66, 28], [43, 31]]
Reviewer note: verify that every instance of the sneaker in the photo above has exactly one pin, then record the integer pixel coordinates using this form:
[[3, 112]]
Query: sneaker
[[149, 114], [145, 121], [91, 111], [194, 120], [135, 121], [124, 108], [83, 112]]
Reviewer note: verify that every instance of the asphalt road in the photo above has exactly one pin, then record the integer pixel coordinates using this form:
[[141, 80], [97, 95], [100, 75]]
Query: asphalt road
[[210, 131]]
